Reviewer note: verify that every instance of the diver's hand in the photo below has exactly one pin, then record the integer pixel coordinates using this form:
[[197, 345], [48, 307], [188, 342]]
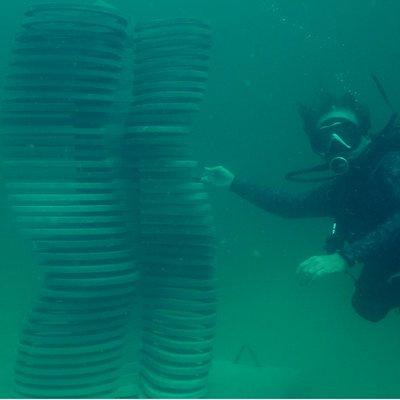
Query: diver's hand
[[217, 176], [318, 266]]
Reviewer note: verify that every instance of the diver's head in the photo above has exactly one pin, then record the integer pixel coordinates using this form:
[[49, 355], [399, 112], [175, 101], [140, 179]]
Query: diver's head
[[336, 138], [337, 129]]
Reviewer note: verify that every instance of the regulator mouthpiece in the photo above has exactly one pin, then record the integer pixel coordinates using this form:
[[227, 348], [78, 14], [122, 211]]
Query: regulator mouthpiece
[[339, 165]]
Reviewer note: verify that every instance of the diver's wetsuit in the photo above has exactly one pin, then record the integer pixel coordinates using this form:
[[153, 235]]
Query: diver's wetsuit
[[365, 204]]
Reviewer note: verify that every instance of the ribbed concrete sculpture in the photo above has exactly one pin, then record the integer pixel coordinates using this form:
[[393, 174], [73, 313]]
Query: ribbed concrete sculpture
[[62, 152], [61, 183], [176, 235]]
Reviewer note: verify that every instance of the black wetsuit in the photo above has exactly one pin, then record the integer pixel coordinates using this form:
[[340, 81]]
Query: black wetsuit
[[365, 204]]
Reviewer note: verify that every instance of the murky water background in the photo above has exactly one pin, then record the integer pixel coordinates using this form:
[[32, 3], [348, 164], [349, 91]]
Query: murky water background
[[267, 56]]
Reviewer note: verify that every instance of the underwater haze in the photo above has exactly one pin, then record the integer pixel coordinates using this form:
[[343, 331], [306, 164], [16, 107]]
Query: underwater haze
[[266, 57]]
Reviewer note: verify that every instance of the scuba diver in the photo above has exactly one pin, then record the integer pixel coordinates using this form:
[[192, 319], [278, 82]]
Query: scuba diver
[[361, 193]]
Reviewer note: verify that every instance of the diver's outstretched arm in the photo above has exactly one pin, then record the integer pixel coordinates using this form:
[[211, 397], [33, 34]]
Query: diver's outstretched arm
[[314, 203]]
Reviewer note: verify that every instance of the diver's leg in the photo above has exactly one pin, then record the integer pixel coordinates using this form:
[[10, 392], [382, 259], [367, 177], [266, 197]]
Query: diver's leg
[[374, 295]]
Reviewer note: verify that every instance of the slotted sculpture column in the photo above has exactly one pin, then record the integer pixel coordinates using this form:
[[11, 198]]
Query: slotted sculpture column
[[176, 233], [60, 177]]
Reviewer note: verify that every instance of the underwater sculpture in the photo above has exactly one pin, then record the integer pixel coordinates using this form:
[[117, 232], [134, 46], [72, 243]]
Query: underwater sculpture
[[100, 181], [175, 227]]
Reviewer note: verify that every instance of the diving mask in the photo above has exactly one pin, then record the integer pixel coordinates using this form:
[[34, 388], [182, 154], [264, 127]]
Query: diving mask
[[336, 137]]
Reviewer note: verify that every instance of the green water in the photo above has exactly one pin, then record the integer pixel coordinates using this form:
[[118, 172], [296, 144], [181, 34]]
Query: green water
[[267, 56]]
